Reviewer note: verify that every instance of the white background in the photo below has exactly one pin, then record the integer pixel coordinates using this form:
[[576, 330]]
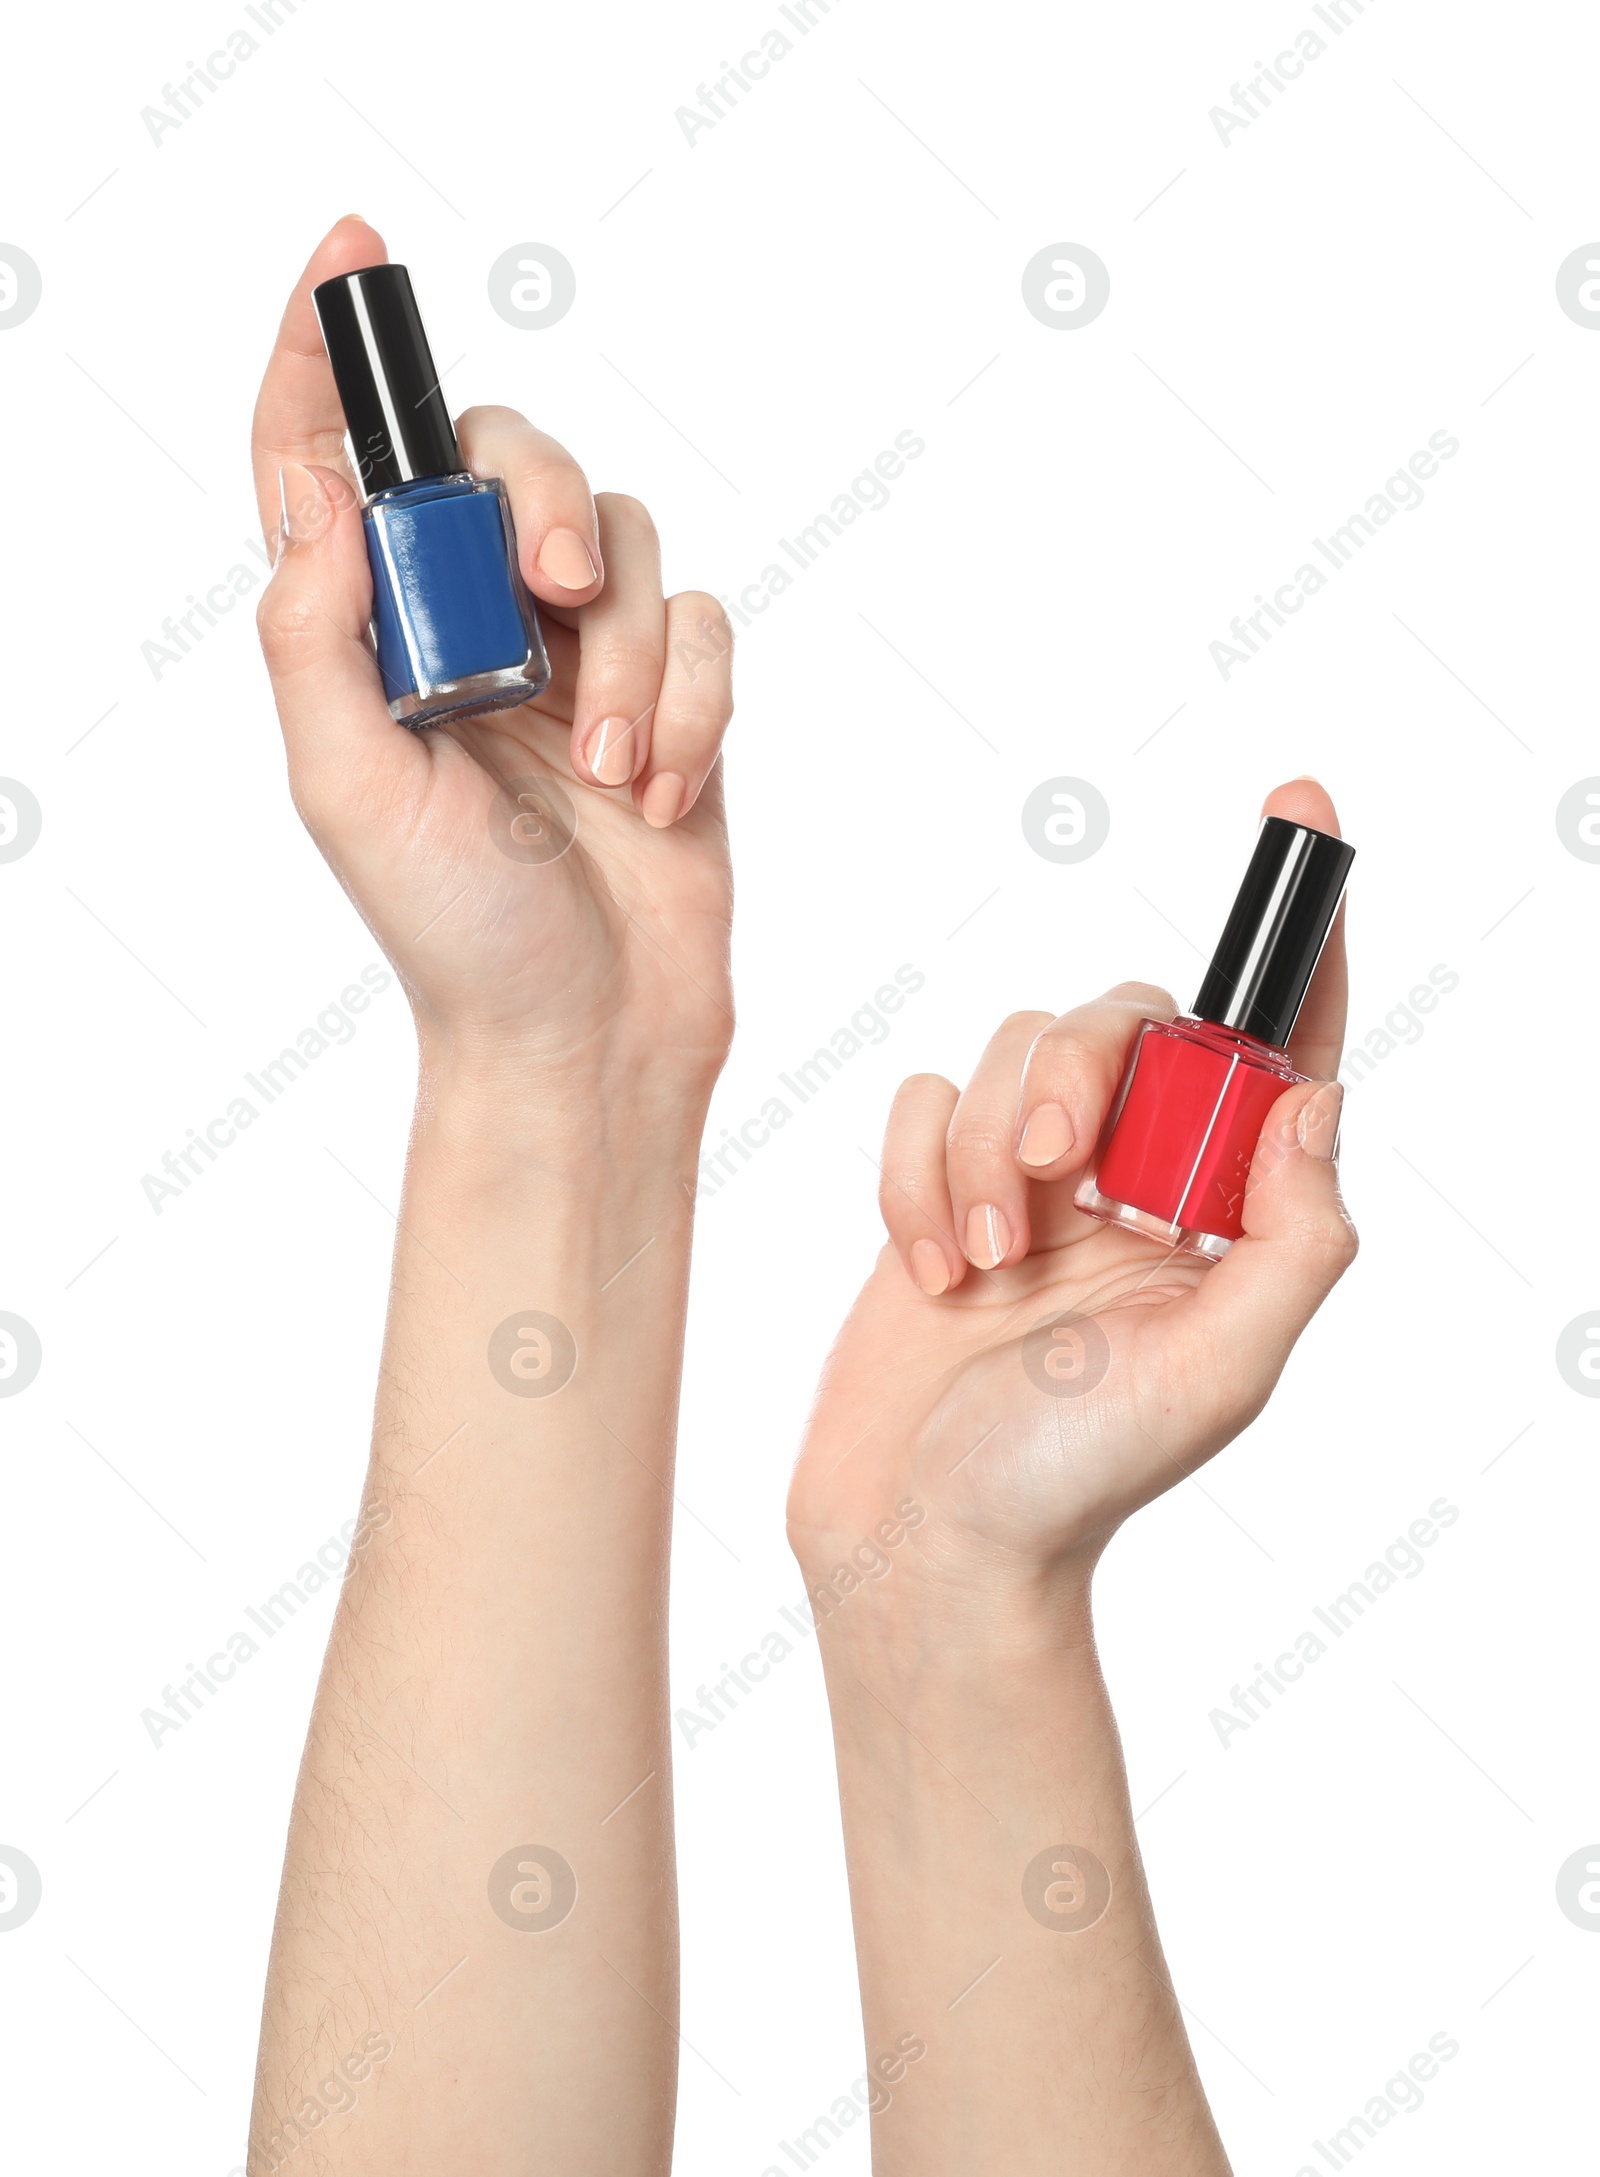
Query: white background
[[1368, 263]]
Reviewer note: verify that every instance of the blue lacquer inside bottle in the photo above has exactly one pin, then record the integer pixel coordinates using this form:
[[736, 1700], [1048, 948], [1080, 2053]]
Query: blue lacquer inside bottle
[[453, 625]]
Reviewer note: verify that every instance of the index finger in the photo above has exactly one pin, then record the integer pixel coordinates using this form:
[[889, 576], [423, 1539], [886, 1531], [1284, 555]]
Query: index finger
[[1317, 1043], [298, 416]]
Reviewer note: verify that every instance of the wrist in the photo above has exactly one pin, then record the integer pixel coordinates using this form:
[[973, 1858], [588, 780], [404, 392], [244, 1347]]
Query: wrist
[[593, 1110], [941, 1638]]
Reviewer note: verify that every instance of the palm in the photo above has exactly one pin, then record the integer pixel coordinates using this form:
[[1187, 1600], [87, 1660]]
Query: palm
[[452, 853], [935, 1398]]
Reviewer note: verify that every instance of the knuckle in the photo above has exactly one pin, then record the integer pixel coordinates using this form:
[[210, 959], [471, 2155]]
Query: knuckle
[[626, 514], [907, 1196], [1025, 1023], [1055, 1047], [918, 1102], [699, 678], [1148, 997], [488, 415], [621, 657], [979, 1140], [700, 607], [918, 1088], [286, 621], [701, 631], [1327, 1237]]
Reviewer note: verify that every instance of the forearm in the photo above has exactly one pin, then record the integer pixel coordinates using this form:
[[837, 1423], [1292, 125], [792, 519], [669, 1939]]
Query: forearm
[[1002, 1918], [496, 1675]]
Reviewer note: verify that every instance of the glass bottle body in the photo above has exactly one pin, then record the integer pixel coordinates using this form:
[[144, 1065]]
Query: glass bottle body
[[453, 625], [1176, 1153]]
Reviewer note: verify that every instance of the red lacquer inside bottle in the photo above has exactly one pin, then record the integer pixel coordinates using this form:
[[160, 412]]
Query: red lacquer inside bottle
[[1194, 1102], [1175, 1158]]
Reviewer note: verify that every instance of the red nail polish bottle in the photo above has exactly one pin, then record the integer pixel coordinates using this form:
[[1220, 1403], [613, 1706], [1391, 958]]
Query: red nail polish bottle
[[1176, 1152]]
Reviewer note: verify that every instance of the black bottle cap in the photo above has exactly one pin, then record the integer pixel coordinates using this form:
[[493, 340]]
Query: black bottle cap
[[399, 425], [1263, 965]]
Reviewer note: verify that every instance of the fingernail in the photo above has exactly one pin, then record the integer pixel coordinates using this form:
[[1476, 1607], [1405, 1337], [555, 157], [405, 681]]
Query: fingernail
[[302, 504], [1318, 1124], [565, 559], [1046, 1136], [611, 751], [988, 1235], [930, 1267], [662, 800]]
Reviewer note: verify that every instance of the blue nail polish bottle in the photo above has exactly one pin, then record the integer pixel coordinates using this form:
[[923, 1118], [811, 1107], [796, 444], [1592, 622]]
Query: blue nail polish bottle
[[453, 626]]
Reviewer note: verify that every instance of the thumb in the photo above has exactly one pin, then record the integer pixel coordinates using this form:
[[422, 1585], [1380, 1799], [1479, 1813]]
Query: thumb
[[312, 621], [1298, 1242]]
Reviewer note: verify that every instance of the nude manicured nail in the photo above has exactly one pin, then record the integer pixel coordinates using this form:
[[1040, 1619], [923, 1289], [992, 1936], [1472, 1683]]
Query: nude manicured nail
[[988, 1235], [566, 560], [662, 800], [930, 1267], [1318, 1123], [612, 751], [1046, 1135]]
